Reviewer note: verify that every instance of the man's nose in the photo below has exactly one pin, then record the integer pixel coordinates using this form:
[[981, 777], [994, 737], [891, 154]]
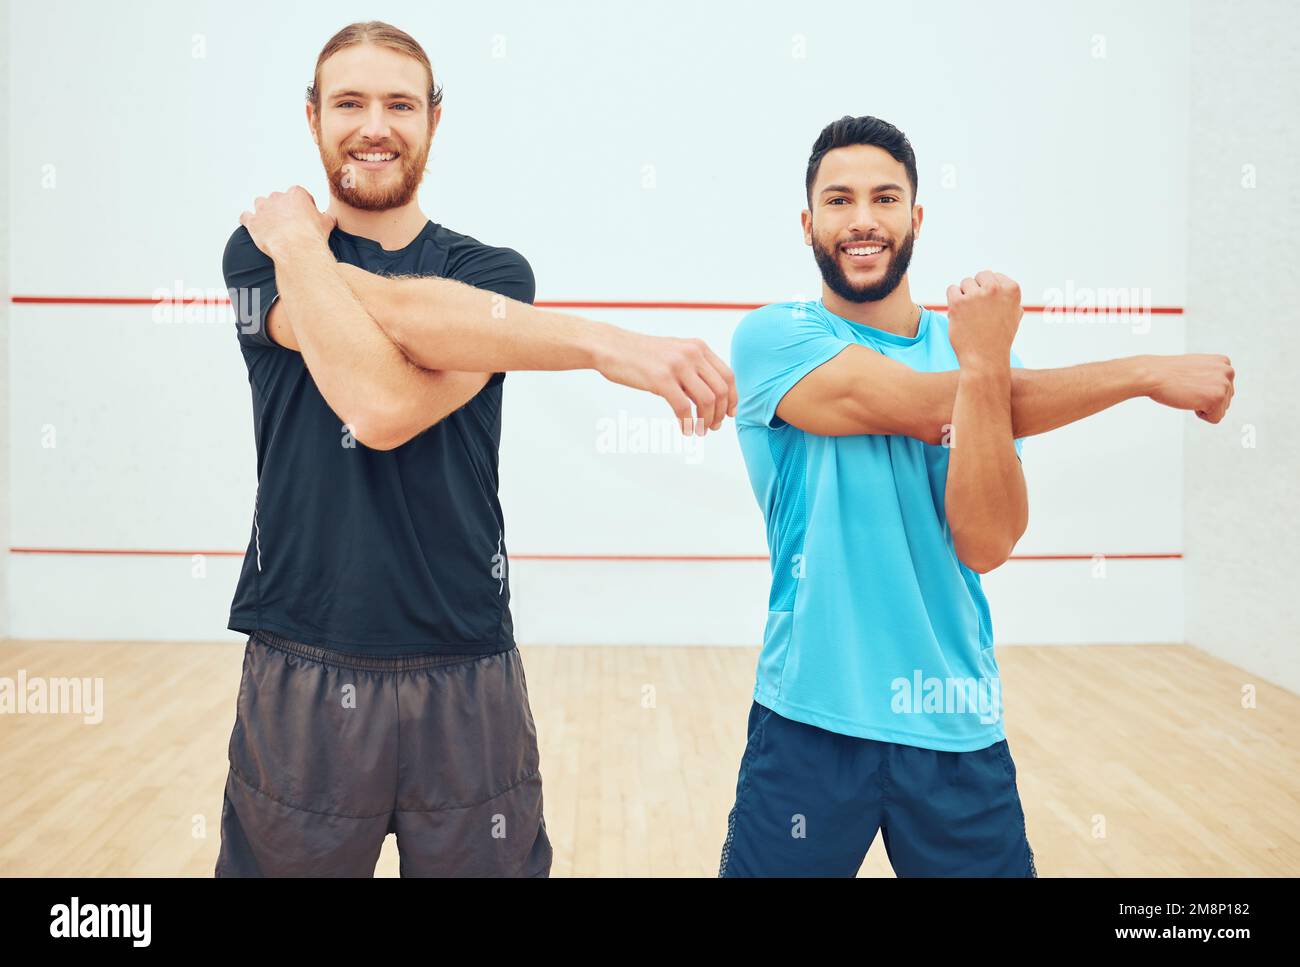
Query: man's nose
[[376, 126], [864, 221]]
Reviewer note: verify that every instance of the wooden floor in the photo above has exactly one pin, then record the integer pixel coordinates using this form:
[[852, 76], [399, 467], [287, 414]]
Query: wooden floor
[[1131, 761]]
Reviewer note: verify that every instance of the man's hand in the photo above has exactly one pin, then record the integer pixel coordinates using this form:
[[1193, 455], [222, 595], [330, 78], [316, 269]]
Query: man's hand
[[682, 371], [1199, 382], [287, 218], [983, 316]]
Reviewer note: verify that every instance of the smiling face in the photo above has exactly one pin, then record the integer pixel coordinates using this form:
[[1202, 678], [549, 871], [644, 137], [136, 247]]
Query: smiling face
[[861, 223], [374, 128]]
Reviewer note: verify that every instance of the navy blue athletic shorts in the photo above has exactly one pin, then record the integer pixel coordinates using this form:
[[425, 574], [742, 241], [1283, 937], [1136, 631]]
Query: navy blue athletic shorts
[[809, 803]]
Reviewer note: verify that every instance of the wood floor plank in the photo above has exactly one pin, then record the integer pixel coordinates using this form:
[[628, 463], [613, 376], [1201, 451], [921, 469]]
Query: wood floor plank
[[1131, 760]]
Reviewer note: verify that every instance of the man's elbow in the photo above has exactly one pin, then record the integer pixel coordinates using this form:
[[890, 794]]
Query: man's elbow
[[982, 561], [933, 433], [985, 553], [389, 442], [381, 429]]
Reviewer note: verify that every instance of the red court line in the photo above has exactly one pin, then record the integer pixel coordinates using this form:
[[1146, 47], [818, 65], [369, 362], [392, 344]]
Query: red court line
[[57, 300], [689, 558]]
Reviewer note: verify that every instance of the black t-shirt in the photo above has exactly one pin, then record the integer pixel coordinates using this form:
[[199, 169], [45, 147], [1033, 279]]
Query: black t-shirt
[[378, 552]]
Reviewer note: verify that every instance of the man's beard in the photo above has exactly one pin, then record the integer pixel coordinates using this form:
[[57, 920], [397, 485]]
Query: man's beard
[[356, 186], [833, 273]]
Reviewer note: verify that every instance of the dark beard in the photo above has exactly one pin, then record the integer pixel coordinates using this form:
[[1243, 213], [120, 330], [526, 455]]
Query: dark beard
[[834, 277]]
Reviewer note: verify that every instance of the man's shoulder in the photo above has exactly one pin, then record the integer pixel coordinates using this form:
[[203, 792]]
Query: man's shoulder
[[241, 250], [495, 267], [788, 308], [466, 250], [776, 318]]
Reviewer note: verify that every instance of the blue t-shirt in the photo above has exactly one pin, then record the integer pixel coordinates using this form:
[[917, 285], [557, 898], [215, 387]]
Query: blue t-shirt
[[874, 627]]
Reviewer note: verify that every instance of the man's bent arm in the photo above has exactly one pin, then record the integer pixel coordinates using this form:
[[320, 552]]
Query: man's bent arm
[[367, 381], [985, 498]]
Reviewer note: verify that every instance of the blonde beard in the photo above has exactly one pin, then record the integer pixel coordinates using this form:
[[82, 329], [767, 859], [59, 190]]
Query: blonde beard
[[349, 187]]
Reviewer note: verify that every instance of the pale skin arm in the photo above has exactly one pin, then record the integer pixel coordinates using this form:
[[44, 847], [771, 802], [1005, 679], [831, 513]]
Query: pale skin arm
[[441, 324], [444, 324], [367, 381]]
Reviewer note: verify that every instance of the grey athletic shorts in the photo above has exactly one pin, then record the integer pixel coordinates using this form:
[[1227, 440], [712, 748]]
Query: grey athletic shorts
[[332, 752]]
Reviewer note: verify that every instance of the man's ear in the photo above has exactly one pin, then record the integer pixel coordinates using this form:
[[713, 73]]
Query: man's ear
[[805, 219], [918, 213], [311, 124], [434, 121]]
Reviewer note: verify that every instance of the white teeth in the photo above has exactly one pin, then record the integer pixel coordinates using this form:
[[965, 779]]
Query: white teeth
[[374, 157], [871, 250]]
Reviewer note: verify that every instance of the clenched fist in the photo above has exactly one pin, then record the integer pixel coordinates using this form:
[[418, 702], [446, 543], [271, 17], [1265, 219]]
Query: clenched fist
[[1196, 381], [983, 316], [286, 218]]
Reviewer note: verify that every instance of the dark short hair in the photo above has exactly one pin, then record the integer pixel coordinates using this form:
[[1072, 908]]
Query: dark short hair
[[864, 130]]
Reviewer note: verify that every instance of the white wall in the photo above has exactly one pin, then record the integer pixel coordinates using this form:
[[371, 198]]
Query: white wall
[[4, 320], [631, 152], [1242, 530]]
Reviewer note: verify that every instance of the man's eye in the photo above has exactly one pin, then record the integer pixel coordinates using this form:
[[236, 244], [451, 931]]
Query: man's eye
[[888, 198], [834, 200], [354, 103]]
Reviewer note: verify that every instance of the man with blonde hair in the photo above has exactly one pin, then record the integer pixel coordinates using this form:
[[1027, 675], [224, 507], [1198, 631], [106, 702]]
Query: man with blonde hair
[[382, 690]]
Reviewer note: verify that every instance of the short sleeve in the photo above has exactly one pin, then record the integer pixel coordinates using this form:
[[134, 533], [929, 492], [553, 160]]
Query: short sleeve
[[500, 270], [250, 283], [1015, 362], [771, 350]]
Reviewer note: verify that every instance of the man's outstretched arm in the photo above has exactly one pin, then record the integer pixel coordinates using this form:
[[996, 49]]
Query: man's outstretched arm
[[861, 391], [450, 327], [445, 324]]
